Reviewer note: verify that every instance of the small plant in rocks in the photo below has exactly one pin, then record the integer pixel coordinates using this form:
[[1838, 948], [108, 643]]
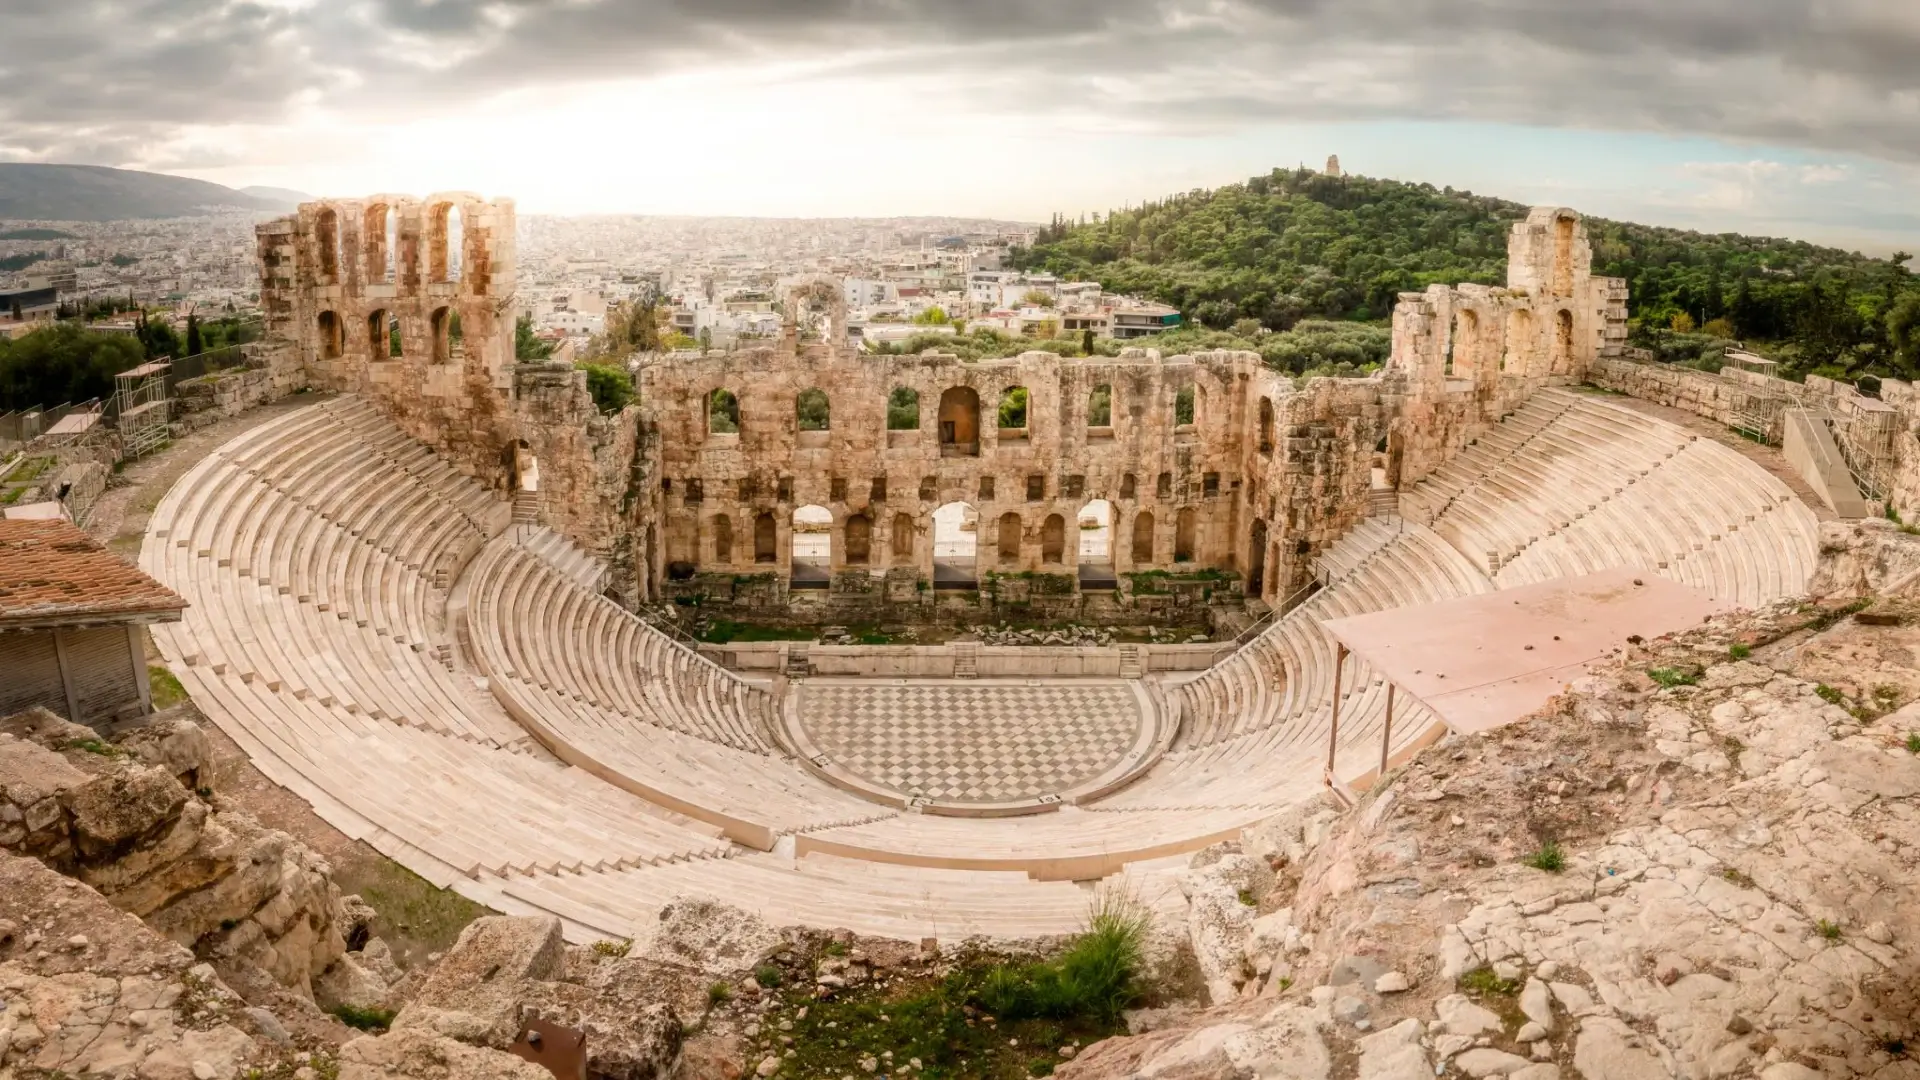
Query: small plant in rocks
[[1549, 857]]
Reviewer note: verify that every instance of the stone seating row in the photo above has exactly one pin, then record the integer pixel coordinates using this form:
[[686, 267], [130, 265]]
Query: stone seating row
[[534, 623], [359, 636], [468, 808]]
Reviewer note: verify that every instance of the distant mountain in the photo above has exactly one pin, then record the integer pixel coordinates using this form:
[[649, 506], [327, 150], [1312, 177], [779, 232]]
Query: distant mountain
[[96, 193], [286, 197]]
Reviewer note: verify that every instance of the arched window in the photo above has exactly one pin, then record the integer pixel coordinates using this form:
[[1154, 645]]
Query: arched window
[[1013, 413], [1143, 538], [765, 541], [1010, 528], [812, 410], [903, 537], [326, 237], [1183, 530], [903, 409], [1183, 405], [722, 540], [442, 326], [332, 336], [723, 413], [1100, 407], [960, 422], [1053, 540], [443, 225], [383, 335], [1266, 425], [1563, 343], [859, 533]]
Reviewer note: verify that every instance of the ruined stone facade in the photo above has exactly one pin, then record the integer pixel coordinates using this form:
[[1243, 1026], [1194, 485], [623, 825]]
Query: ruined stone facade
[[1213, 467]]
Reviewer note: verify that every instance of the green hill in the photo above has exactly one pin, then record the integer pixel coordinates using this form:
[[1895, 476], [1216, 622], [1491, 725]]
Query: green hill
[[36, 192], [1297, 245]]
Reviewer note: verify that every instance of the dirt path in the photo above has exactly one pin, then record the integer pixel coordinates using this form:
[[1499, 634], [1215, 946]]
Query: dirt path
[[416, 918]]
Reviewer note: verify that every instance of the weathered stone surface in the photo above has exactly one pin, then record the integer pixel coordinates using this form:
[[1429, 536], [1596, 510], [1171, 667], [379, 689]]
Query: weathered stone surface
[[712, 936], [418, 1055]]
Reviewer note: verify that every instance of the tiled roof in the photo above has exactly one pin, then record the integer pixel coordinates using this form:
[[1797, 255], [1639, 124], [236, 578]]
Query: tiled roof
[[51, 572]]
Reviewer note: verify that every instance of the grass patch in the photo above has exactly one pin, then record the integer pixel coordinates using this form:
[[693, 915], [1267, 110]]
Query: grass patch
[[1484, 982], [1549, 858], [1829, 695], [414, 917], [1740, 650], [726, 631], [613, 949], [1671, 677], [987, 1018], [1828, 929], [95, 746], [1913, 742], [167, 691], [1247, 898], [719, 994], [1737, 878], [374, 1020], [767, 975]]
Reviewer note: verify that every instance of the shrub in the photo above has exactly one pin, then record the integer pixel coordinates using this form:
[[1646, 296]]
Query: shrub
[[1913, 742], [719, 994], [1828, 929], [767, 975], [615, 949], [1671, 677], [1740, 650], [1094, 977], [1482, 981], [610, 385], [1549, 858], [374, 1020], [1829, 695]]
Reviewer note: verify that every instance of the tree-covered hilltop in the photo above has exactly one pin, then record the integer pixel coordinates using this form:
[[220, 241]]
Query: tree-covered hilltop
[[1297, 245]]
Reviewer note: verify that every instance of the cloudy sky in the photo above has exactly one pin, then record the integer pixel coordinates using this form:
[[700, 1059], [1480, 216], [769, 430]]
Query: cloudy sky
[[1794, 117]]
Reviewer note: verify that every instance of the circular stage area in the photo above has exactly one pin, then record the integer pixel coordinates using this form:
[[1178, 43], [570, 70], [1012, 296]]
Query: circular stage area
[[974, 747]]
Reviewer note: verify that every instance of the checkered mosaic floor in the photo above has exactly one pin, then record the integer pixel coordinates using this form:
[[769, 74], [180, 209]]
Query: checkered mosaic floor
[[973, 742]]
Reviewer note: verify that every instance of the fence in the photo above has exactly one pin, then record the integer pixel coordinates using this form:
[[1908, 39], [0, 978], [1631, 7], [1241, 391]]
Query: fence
[[24, 425]]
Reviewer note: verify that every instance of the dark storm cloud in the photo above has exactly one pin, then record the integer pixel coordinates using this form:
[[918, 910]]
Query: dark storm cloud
[[96, 80]]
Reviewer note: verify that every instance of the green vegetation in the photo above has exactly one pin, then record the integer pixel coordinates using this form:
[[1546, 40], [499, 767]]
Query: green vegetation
[[767, 976], [811, 409], [1828, 929], [1671, 677], [525, 345], [1013, 409], [1484, 981], [124, 260], [719, 994], [1311, 347], [13, 263], [1830, 695], [933, 316], [36, 234], [1739, 651], [414, 916], [1100, 406], [1913, 742], [610, 948], [903, 409], [167, 691], [725, 631], [374, 1020], [723, 413], [1549, 858], [95, 746], [1295, 244], [1737, 878], [610, 384], [62, 363]]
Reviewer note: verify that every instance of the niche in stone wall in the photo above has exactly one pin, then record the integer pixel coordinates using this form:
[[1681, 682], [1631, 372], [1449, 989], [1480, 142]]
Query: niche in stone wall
[[1562, 342], [1257, 554], [903, 537], [1519, 342], [326, 238], [1184, 527], [376, 242], [1053, 540], [1563, 227], [859, 533], [383, 335], [1010, 528], [959, 422], [722, 539], [1100, 412], [1129, 485], [1266, 425], [333, 336], [440, 326], [1143, 538], [765, 539]]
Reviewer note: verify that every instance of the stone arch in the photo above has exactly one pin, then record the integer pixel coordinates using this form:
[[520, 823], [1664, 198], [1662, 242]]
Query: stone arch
[[1519, 342], [956, 545], [766, 539], [723, 412], [326, 236], [812, 545], [1257, 559], [1012, 413], [1053, 540], [903, 409], [1562, 342], [1186, 405], [812, 410], [1009, 538], [1563, 233], [960, 422], [1185, 525], [858, 535], [1143, 538], [722, 539], [902, 538], [333, 335], [383, 335], [376, 242], [1100, 406], [440, 323]]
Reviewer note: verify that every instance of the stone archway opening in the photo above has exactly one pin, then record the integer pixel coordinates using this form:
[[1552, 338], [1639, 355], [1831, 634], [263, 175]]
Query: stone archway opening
[[960, 422], [956, 543], [1094, 523], [812, 548]]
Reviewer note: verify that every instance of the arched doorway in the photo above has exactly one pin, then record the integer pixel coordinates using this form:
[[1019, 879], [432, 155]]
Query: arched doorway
[[1257, 554], [960, 422], [812, 548], [1095, 526], [956, 541]]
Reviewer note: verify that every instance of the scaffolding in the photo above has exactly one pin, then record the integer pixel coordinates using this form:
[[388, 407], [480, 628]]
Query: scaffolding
[[141, 403], [1864, 428]]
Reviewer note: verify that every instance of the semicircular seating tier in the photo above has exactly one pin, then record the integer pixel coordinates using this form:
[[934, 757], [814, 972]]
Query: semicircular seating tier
[[572, 759], [1569, 484]]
